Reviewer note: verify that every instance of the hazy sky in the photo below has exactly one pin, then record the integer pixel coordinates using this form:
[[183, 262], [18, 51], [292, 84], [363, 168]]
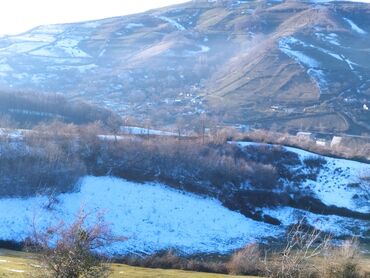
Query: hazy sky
[[21, 15]]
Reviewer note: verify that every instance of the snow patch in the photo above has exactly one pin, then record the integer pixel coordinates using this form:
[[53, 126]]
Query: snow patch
[[152, 216], [336, 182], [332, 224], [62, 47], [355, 27], [134, 25], [145, 131], [284, 46], [332, 38], [50, 29], [172, 22]]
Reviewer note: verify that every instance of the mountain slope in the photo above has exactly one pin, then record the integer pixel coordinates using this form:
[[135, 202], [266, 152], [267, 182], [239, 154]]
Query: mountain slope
[[292, 64]]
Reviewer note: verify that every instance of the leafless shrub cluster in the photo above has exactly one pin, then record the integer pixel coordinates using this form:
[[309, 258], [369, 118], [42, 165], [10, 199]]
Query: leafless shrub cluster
[[342, 261], [63, 152], [170, 260], [365, 184], [246, 261], [29, 109], [29, 170], [296, 258], [70, 250], [306, 253]]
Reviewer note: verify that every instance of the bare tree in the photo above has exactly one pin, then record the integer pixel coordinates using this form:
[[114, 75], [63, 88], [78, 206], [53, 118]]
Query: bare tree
[[71, 251], [296, 258], [114, 124], [180, 127], [365, 184]]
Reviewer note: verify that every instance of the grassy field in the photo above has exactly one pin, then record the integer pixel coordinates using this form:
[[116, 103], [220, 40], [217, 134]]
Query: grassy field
[[19, 264]]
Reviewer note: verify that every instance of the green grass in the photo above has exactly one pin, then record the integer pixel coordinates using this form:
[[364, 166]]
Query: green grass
[[128, 271], [21, 265]]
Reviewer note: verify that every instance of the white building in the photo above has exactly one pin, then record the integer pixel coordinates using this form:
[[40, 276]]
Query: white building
[[336, 141], [305, 135], [321, 142]]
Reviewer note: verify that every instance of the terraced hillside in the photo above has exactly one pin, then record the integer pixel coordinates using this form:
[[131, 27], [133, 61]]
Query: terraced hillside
[[288, 64]]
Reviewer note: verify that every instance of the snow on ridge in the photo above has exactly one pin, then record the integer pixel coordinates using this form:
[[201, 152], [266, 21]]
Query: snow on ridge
[[172, 22], [53, 29], [316, 73], [355, 27], [313, 70], [134, 25], [332, 38], [284, 46], [152, 216]]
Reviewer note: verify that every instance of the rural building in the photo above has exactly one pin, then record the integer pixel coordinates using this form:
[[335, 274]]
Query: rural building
[[336, 141], [305, 135]]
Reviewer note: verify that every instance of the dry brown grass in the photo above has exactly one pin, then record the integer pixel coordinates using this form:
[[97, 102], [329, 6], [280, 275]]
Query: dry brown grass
[[246, 261], [342, 261], [352, 148]]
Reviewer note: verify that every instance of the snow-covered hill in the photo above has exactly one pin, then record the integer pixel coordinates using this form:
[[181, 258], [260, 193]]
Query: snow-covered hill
[[337, 183], [155, 217]]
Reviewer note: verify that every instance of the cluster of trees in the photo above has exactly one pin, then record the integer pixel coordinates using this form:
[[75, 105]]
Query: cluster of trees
[[52, 157], [29, 109], [73, 250], [305, 252], [66, 151]]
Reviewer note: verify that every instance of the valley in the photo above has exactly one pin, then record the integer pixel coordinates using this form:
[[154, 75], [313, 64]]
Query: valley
[[288, 65], [205, 139]]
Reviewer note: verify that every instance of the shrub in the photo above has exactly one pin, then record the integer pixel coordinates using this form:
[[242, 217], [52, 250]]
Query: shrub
[[170, 260], [342, 261], [246, 261], [296, 258], [314, 162], [69, 251]]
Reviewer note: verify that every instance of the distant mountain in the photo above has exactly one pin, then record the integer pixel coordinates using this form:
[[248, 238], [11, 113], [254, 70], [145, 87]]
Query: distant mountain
[[282, 64]]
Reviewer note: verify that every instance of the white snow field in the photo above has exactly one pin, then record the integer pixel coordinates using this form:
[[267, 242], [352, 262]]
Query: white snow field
[[152, 216]]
